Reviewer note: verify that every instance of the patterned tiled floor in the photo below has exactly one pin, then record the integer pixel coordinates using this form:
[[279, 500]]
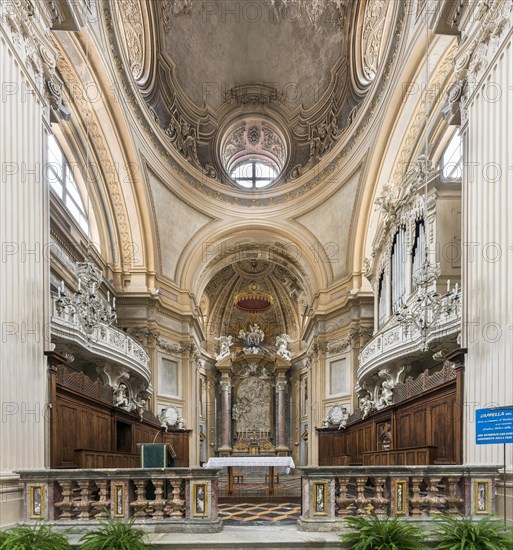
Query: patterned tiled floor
[[254, 484], [242, 513]]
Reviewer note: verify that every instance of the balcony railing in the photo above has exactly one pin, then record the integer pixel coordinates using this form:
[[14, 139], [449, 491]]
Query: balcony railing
[[414, 492], [393, 343], [176, 499], [107, 342]]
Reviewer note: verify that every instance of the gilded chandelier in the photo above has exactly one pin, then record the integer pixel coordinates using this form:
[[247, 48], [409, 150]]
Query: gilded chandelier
[[87, 305]]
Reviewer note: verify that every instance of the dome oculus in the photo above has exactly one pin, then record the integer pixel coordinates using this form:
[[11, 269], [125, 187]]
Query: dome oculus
[[253, 153]]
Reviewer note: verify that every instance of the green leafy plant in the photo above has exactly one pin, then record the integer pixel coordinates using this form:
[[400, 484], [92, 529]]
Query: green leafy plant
[[29, 537], [464, 534], [373, 533], [115, 535]]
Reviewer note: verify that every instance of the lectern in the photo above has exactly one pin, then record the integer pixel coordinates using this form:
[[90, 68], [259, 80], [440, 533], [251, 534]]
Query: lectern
[[157, 455]]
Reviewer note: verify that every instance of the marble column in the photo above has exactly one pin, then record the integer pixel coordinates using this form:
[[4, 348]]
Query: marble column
[[26, 55], [281, 415], [226, 415]]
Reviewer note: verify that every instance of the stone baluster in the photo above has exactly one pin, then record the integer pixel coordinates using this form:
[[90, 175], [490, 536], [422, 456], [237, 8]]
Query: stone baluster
[[84, 505], [343, 501], [175, 506], [453, 500], [102, 505], [379, 501], [416, 499], [159, 503], [66, 505], [435, 501], [140, 504], [361, 501]]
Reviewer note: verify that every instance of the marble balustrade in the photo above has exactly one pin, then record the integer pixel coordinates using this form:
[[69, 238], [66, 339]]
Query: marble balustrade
[[177, 499], [330, 494]]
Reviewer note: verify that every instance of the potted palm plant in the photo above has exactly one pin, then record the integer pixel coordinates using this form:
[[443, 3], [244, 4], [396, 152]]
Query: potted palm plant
[[463, 533], [115, 535], [30, 537], [373, 533]]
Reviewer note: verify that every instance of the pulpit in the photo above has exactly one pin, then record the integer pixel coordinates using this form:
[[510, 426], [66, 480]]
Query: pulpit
[[157, 455]]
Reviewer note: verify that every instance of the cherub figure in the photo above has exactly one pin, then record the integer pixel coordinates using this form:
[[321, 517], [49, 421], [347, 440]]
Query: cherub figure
[[366, 405], [121, 398], [387, 393], [225, 343], [282, 342]]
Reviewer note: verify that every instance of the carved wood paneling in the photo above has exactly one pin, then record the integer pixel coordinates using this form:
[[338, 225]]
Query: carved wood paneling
[[85, 427], [429, 416]]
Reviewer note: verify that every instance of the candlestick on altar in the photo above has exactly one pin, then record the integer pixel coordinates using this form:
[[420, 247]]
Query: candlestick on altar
[[448, 285]]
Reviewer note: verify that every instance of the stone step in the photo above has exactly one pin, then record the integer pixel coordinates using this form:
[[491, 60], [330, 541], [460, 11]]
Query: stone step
[[247, 537]]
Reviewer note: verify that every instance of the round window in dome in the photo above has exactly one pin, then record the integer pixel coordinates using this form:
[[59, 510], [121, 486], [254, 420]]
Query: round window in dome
[[254, 174], [253, 153]]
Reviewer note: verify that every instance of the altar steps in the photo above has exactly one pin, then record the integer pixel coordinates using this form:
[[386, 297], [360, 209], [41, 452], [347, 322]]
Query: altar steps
[[249, 537]]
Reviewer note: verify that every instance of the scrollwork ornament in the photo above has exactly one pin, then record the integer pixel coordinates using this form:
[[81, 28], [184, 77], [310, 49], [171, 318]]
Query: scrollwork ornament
[[372, 36]]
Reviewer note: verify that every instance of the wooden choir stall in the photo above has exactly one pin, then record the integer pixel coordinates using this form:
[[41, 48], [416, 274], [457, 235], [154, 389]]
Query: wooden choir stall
[[89, 431], [422, 427]]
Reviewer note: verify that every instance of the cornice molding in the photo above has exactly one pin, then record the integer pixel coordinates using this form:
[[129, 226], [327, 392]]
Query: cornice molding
[[25, 27]]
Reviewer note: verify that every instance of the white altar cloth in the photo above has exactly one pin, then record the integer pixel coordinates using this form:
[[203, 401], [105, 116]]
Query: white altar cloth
[[284, 462]]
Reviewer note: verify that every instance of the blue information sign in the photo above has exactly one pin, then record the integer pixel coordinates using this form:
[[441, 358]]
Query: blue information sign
[[494, 426]]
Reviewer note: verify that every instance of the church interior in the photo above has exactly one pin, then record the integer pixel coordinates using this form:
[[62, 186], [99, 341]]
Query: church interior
[[256, 262]]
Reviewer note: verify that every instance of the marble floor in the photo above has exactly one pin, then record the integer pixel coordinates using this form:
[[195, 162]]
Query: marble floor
[[239, 513], [254, 484]]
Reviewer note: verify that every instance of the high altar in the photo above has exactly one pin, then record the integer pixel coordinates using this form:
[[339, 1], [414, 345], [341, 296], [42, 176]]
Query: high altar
[[254, 389]]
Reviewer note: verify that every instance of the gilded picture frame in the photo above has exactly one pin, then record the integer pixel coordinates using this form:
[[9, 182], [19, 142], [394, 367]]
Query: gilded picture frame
[[37, 502], [199, 499], [482, 497], [400, 496], [118, 504], [320, 498]]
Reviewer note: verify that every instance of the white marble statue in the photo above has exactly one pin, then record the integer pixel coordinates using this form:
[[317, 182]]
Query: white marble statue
[[163, 419], [336, 417], [141, 405], [387, 393], [282, 343], [170, 417], [121, 396], [366, 405], [225, 342]]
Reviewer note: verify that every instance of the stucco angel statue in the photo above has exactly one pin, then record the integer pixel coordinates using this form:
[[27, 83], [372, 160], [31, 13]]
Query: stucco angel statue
[[121, 396], [387, 393], [282, 342], [366, 405], [225, 342]]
